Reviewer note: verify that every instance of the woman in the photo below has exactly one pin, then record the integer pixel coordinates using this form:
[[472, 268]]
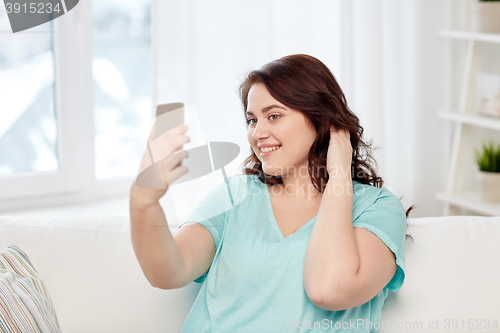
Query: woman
[[307, 239]]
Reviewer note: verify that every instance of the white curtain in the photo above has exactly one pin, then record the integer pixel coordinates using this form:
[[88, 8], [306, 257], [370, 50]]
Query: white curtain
[[386, 55], [398, 87]]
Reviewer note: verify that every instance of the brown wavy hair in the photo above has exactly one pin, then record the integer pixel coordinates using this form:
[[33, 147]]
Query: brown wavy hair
[[304, 83]]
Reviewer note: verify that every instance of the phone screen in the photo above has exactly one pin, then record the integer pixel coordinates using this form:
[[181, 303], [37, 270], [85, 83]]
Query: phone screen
[[168, 116]]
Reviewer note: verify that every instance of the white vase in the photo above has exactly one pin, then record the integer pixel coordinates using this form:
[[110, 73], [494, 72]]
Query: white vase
[[486, 16], [489, 186]]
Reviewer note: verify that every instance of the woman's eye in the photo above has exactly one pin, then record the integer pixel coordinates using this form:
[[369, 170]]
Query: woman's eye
[[273, 115]]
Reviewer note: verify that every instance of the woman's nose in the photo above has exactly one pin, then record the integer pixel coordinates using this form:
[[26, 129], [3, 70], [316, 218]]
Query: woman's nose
[[260, 131]]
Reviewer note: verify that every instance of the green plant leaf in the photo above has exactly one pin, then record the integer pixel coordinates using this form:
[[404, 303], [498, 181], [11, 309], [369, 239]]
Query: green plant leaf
[[488, 158]]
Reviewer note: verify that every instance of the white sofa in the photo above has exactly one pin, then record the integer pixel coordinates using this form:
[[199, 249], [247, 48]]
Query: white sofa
[[97, 286]]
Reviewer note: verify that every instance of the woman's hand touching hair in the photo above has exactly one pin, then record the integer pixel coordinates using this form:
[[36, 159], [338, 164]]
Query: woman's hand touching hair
[[339, 156]]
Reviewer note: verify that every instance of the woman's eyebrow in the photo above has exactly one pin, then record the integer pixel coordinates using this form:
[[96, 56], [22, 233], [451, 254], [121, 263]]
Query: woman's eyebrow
[[267, 109]]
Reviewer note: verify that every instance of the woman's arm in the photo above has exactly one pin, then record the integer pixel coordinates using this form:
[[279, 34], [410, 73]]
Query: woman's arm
[[344, 266], [155, 248], [167, 261]]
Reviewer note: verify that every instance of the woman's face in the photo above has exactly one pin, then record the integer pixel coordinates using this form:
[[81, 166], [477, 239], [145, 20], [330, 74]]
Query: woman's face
[[270, 123]]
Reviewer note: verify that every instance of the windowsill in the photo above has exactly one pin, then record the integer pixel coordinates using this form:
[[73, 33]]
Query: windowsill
[[117, 206], [114, 207]]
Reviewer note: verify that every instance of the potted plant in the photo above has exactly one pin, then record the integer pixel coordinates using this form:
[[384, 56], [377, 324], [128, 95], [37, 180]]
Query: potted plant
[[488, 174], [486, 16]]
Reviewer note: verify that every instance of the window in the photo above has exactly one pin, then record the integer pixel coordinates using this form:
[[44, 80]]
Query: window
[[121, 70], [28, 130], [75, 104]]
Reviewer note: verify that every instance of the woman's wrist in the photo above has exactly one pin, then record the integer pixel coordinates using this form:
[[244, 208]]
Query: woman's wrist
[[339, 184], [141, 199]]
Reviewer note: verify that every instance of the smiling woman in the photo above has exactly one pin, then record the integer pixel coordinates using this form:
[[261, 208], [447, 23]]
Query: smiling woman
[[317, 237], [314, 237]]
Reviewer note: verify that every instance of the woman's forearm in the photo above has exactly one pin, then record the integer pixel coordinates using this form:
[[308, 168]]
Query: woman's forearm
[[332, 258], [155, 248]]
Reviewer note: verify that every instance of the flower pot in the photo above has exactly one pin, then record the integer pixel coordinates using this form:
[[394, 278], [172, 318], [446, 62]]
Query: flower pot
[[489, 186], [486, 16]]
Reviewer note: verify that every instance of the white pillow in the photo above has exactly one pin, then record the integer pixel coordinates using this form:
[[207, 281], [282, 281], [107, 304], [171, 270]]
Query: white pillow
[[25, 305]]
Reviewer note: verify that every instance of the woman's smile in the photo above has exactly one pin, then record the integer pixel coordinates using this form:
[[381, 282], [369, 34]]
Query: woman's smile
[[264, 152]]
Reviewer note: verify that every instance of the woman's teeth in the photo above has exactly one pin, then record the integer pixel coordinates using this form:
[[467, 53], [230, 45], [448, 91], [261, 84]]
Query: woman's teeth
[[267, 149]]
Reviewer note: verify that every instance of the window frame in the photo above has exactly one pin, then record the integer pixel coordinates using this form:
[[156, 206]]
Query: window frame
[[75, 180]]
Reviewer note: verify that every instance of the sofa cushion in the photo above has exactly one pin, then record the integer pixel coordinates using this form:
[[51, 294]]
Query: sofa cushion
[[452, 277], [25, 305], [95, 281]]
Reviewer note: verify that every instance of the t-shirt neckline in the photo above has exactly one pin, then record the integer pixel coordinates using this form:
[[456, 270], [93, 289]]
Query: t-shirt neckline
[[274, 222]]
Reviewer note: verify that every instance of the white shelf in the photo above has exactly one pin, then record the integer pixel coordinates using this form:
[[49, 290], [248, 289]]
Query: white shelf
[[471, 119], [471, 35], [464, 117], [470, 200]]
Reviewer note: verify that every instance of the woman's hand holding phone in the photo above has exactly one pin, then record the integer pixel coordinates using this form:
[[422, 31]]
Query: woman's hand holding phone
[[156, 249], [167, 150]]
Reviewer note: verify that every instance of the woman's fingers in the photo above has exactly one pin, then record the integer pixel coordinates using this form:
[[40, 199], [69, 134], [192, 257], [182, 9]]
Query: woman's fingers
[[175, 174], [161, 163], [172, 161], [168, 134], [171, 167], [176, 131], [161, 150], [168, 143], [166, 151]]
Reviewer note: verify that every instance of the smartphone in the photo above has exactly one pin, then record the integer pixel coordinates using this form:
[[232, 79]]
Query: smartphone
[[168, 116]]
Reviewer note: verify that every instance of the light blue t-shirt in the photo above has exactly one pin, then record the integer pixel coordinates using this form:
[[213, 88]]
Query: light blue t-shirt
[[255, 282]]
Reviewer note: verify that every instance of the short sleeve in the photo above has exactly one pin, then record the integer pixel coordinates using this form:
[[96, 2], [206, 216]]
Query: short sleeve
[[386, 218], [211, 212]]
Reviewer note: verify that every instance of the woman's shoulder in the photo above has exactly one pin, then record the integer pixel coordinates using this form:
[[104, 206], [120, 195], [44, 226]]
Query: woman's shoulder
[[242, 179], [240, 186], [364, 191], [365, 195], [370, 191]]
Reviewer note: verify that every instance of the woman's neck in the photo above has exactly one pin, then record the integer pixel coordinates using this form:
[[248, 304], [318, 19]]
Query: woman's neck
[[297, 187]]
